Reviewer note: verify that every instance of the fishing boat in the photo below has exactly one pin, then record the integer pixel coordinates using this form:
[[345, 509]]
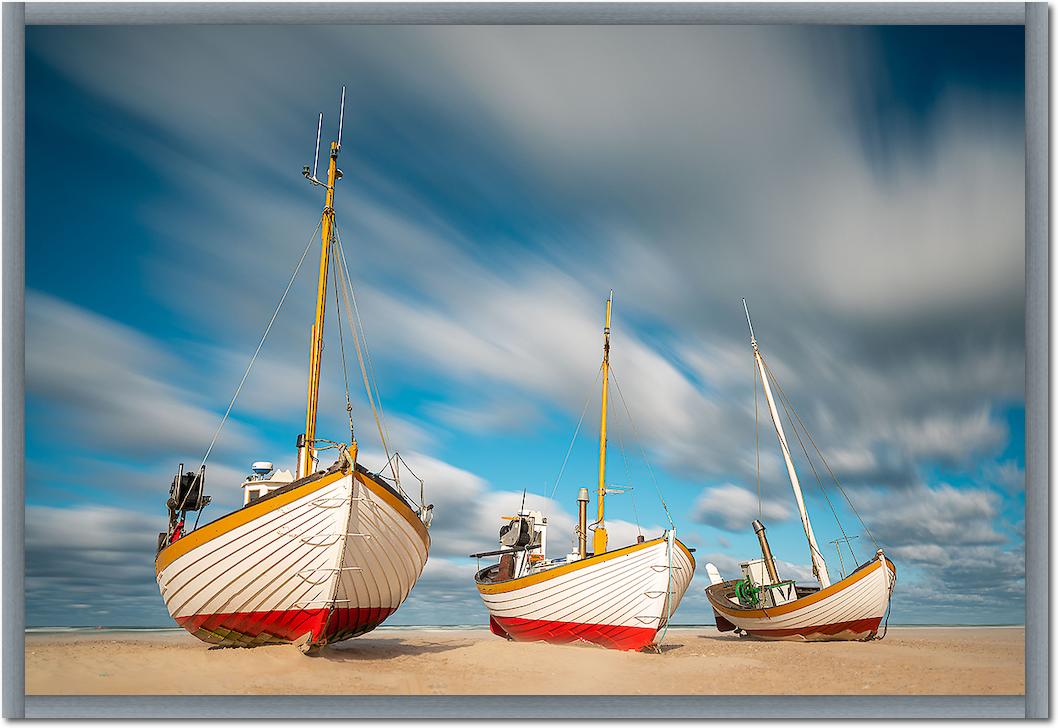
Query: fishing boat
[[620, 598], [312, 557], [764, 605]]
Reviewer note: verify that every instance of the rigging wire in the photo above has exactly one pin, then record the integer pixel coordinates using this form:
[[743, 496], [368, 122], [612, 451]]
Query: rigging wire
[[628, 477], [635, 514], [639, 441], [260, 344], [583, 411], [827, 465], [756, 435], [346, 295], [818, 481], [422, 484], [341, 342], [381, 415], [783, 397], [786, 408], [777, 424], [363, 331]]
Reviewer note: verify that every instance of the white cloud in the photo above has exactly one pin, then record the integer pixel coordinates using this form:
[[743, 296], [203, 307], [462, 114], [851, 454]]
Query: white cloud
[[924, 515], [887, 294], [99, 556], [488, 417], [115, 385], [733, 508], [1008, 475], [951, 439]]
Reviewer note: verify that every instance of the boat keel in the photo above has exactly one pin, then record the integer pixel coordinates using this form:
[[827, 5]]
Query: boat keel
[[615, 637], [305, 627]]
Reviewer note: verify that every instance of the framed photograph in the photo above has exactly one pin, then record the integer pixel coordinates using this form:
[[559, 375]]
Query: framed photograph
[[631, 360]]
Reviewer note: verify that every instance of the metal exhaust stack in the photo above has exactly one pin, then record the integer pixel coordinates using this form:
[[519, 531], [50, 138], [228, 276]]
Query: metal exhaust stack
[[765, 549], [582, 528]]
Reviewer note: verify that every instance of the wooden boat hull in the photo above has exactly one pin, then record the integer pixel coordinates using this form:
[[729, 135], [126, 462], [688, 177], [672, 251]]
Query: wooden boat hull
[[327, 558], [850, 609], [616, 599]]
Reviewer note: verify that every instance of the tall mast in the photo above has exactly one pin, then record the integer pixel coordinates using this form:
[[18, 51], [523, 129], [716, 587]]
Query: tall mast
[[306, 443], [600, 538], [819, 566]]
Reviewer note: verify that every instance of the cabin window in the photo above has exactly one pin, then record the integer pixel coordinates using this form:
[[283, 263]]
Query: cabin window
[[254, 495]]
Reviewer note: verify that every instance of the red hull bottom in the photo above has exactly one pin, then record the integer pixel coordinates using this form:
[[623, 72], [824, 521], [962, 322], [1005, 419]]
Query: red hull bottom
[[613, 637], [858, 629], [314, 626]]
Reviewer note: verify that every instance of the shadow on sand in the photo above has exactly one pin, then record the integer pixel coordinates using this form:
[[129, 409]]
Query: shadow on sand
[[724, 637], [385, 649]]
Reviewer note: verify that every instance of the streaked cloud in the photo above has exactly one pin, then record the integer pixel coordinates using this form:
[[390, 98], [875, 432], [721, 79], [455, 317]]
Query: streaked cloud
[[499, 181], [731, 507]]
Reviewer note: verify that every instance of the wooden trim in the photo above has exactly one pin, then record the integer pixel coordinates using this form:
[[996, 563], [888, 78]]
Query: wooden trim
[[530, 579], [396, 502], [233, 520], [809, 600], [690, 556]]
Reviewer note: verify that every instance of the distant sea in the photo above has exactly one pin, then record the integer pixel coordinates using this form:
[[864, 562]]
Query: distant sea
[[427, 627]]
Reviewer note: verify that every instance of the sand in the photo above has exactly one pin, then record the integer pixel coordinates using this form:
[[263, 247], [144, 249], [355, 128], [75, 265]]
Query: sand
[[695, 660]]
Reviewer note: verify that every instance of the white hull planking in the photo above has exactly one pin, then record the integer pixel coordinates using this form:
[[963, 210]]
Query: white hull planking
[[341, 545], [849, 609], [627, 591]]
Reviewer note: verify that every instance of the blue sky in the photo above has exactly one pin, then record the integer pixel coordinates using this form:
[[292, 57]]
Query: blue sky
[[863, 188]]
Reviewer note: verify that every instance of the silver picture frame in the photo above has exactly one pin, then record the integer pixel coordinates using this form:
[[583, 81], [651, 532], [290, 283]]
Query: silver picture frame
[[1034, 16]]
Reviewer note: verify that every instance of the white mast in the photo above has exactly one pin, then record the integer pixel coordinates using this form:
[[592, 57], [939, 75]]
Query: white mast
[[819, 566]]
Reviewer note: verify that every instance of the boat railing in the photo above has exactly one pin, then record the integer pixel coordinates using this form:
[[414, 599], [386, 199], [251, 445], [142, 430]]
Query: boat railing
[[394, 466]]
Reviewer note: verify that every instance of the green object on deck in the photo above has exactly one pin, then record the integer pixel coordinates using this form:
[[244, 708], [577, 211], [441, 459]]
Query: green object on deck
[[747, 593]]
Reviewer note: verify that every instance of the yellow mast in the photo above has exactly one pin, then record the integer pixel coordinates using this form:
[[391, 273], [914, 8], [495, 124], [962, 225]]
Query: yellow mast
[[306, 444], [599, 540]]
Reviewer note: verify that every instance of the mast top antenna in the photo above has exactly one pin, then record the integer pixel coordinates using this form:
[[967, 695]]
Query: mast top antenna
[[752, 338], [341, 118], [335, 146]]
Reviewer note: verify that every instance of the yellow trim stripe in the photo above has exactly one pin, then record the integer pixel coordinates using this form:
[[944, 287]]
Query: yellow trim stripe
[[398, 505], [233, 520], [694, 564], [810, 599], [530, 579]]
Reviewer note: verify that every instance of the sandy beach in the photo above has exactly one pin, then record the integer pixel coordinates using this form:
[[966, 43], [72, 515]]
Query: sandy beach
[[694, 660]]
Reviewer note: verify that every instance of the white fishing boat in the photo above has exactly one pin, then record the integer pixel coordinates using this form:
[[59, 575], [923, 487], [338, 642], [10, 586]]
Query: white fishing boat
[[313, 557], [762, 604], [619, 598]]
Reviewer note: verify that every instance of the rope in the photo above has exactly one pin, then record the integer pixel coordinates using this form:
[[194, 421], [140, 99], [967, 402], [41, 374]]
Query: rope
[[574, 439], [639, 442], [888, 609], [341, 344], [363, 333], [346, 286], [888, 598], [367, 367], [259, 345], [670, 542]]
